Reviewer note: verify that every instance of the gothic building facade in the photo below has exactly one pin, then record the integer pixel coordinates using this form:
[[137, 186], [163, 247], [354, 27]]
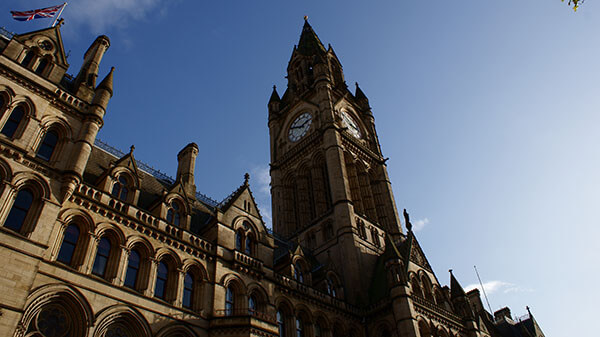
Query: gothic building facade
[[97, 244]]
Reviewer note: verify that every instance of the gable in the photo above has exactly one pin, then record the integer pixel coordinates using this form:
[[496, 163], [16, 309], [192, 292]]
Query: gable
[[417, 256], [47, 42]]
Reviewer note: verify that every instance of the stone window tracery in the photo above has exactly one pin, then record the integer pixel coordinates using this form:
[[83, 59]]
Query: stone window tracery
[[175, 213], [121, 187]]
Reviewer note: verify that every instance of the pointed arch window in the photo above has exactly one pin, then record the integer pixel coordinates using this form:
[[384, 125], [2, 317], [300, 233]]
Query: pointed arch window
[[174, 213], [239, 239], [162, 275], [19, 211], [229, 301], [2, 102], [67, 248], [375, 236], [133, 269], [48, 145], [13, 122], [102, 257], [121, 188]]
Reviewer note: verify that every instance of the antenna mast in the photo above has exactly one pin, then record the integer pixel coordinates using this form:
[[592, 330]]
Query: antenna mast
[[483, 289]]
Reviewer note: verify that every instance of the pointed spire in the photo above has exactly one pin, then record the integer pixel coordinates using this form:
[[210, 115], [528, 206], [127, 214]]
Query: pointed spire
[[107, 82], [309, 43], [359, 93], [456, 290], [274, 95]]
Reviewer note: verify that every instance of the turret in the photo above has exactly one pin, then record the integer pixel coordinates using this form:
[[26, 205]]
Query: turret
[[185, 168], [86, 79], [274, 103], [93, 121], [362, 99]]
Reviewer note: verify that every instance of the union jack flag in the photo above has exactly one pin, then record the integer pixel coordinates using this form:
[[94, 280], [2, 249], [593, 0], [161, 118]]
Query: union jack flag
[[36, 13]]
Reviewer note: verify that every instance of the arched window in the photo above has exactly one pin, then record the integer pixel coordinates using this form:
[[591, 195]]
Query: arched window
[[2, 102], [27, 59], [281, 323], [13, 122], [102, 256], [121, 188], [18, 213], [299, 327], [239, 239], [252, 308], [133, 269], [248, 245], [48, 145], [67, 249], [41, 66], [298, 274], [162, 275], [229, 301], [174, 213], [188, 290]]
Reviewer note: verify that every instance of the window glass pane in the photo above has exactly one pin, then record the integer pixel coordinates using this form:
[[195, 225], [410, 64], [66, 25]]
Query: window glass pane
[[47, 147], [229, 301], [27, 59], [11, 125], [2, 101], [252, 304], [41, 66], [281, 323], [124, 194], [65, 255], [238, 241], [248, 249], [161, 280], [133, 266], [188, 290], [170, 215], [18, 213], [176, 220], [101, 257]]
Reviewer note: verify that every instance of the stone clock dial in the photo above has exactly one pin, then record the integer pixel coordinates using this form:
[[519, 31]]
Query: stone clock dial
[[349, 123], [300, 126]]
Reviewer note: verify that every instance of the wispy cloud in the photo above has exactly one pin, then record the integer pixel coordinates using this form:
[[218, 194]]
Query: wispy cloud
[[260, 183], [497, 286], [99, 15], [419, 224]]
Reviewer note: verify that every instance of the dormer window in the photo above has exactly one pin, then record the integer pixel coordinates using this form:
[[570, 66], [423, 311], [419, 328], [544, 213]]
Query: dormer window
[[174, 213], [28, 58], [121, 188], [41, 67]]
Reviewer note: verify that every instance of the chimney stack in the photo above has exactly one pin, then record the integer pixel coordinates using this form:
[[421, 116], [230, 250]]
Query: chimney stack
[[185, 169]]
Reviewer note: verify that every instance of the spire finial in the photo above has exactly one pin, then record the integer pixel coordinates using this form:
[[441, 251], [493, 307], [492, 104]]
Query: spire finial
[[407, 221], [306, 18], [274, 87], [131, 148], [246, 178], [450, 271]]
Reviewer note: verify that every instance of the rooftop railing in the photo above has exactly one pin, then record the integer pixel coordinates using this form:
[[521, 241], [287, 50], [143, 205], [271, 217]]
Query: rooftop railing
[[6, 34]]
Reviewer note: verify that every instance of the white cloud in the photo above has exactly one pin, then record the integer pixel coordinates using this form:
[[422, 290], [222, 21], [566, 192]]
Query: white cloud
[[497, 286], [260, 183], [100, 14], [419, 224]]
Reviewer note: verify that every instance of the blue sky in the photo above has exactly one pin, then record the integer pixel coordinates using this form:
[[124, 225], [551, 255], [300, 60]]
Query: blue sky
[[487, 110]]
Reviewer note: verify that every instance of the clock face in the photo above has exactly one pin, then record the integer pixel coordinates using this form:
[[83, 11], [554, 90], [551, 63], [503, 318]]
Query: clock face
[[300, 126], [349, 123]]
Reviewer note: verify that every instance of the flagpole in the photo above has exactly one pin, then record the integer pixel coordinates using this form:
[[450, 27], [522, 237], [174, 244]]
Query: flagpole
[[58, 15]]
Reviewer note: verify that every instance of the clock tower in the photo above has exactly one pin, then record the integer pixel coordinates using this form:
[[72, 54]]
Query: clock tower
[[329, 183]]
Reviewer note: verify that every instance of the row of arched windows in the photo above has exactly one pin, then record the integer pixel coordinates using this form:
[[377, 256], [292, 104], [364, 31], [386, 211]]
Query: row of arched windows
[[362, 233], [15, 120], [138, 268], [245, 240], [422, 287]]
